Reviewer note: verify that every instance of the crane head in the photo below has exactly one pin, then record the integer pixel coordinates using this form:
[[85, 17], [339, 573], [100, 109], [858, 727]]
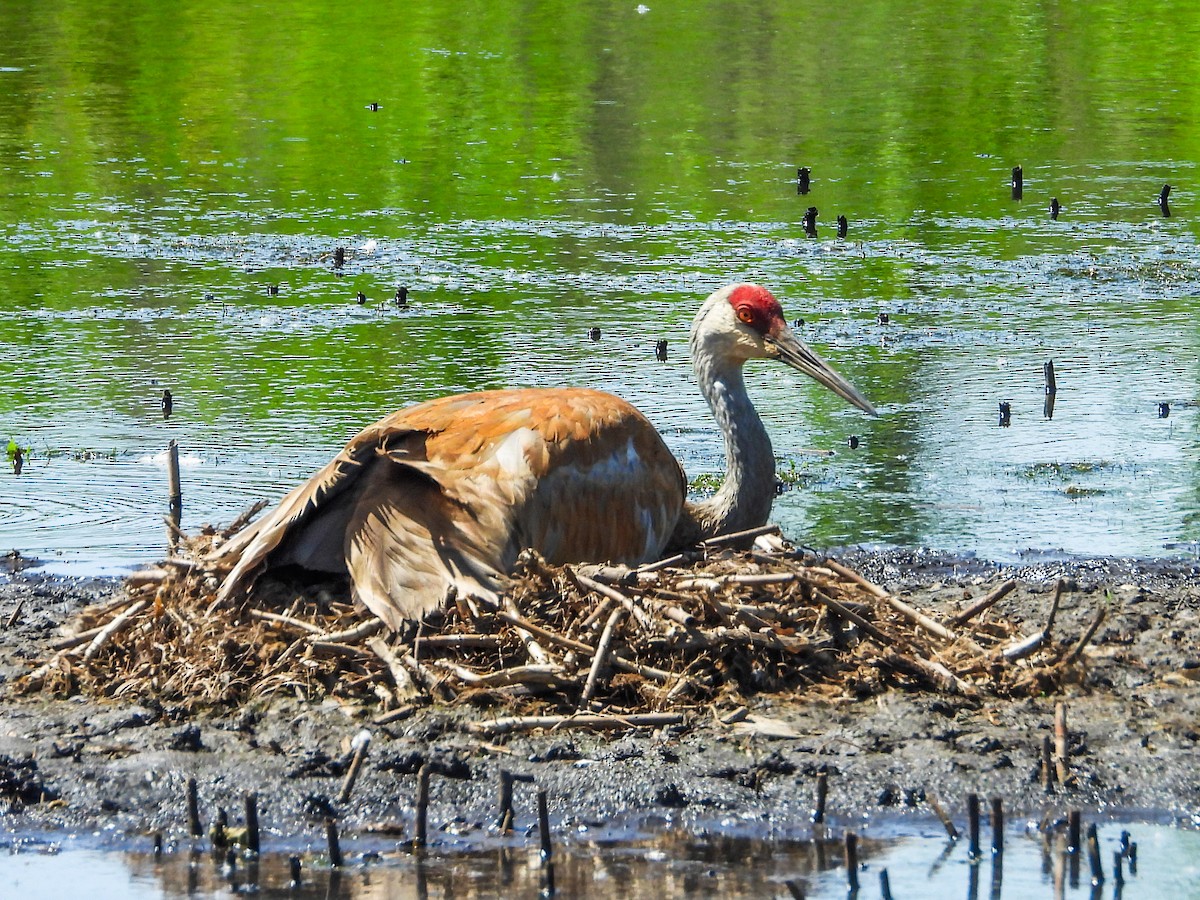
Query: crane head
[[745, 321]]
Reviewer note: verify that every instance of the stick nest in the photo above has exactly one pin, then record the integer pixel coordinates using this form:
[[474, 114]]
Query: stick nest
[[713, 626]]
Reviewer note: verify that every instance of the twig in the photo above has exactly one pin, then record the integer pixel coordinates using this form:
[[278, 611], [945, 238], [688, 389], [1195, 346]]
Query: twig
[[532, 647], [941, 677], [16, 615], [917, 618], [591, 720], [734, 537], [599, 660], [121, 622], [402, 683], [986, 602], [612, 593], [362, 741], [866, 627], [338, 649], [244, 517], [279, 619], [74, 640], [1077, 650], [362, 630]]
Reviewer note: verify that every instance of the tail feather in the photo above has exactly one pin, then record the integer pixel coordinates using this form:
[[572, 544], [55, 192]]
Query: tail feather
[[408, 542]]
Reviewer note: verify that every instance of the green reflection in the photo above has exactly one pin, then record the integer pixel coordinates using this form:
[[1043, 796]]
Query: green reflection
[[538, 168]]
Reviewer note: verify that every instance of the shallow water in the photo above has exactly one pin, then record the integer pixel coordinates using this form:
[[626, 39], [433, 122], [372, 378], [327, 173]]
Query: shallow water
[[533, 172], [917, 862]]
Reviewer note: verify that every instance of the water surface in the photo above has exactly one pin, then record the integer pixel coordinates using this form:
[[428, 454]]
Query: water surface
[[536, 171]]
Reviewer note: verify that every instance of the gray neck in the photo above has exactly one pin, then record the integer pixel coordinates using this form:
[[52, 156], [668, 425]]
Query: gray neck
[[744, 500]]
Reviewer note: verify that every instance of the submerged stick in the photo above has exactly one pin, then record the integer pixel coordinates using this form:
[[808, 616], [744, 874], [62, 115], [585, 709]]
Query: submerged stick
[[947, 823], [252, 835], [851, 846], [335, 846], [544, 825], [973, 826]]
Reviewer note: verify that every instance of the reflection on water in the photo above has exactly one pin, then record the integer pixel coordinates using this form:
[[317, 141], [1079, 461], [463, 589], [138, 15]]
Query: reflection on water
[[917, 862], [530, 173]]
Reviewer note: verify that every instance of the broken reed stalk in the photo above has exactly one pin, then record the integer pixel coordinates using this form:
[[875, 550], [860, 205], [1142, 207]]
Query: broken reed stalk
[[734, 537], [362, 742], [1047, 764], [505, 821], [818, 813], [1061, 745], [252, 834], [643, 617], [195, 829], [175, 494], [124, 620], [917, 618], [403, 686], [422, 826]]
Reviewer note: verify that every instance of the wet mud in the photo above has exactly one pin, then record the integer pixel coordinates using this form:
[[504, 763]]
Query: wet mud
[[120, 767]]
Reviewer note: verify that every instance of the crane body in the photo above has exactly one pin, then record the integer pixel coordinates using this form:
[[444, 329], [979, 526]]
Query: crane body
[[447, 493]]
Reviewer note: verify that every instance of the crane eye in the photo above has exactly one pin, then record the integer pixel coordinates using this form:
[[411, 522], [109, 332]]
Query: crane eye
[[745, 314]]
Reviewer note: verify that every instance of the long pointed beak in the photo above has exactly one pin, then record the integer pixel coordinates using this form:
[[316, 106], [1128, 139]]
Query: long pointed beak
[[797, 354]]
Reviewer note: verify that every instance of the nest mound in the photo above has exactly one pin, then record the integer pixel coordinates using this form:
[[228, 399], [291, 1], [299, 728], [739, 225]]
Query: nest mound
[[712, 626]]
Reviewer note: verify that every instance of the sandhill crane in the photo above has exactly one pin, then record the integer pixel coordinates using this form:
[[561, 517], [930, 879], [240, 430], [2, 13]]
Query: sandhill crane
[[447, 493]]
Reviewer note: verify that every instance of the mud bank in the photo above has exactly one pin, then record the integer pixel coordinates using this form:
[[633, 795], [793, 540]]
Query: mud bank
[[120, 768]]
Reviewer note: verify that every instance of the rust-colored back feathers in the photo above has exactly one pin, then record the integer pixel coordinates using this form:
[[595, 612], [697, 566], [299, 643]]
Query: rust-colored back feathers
[[448, 492]]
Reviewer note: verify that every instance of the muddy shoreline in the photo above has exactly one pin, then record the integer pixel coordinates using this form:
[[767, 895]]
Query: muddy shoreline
[[120, 768]]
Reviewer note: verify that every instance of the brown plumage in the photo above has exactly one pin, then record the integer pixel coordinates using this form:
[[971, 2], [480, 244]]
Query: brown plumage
[[447, 493]]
